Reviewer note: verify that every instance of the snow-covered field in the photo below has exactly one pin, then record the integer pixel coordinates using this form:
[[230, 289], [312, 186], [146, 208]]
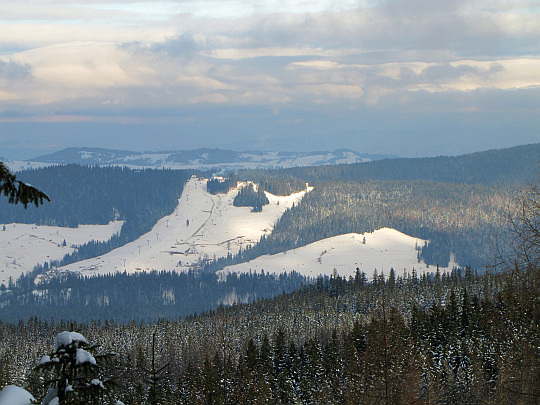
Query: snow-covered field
[[22, 246], [203, 226], [383, 249]]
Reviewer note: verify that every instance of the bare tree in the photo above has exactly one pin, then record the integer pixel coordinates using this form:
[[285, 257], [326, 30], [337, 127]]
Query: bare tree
[[520, 376], [522, 248]]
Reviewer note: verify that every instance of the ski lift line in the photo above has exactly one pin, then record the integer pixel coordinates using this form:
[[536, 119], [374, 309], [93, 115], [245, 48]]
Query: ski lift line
[[205, 222], [230, 240]]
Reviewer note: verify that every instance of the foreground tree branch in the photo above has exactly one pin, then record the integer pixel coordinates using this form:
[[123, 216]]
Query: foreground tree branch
[[17, 191]]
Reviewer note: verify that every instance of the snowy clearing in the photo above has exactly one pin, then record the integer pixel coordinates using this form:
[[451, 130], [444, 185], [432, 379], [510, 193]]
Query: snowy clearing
[[383, 249], [203, 226], [23, 246]]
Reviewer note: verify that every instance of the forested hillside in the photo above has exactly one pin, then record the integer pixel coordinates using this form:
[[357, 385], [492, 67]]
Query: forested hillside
[[93, 195], [143, 297], [451, 338], [510, 166], [458, 203], [457, 218]]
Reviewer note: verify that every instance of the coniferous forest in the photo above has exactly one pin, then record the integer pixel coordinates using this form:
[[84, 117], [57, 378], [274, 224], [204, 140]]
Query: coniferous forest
[[145, 297], [470, 336], [248, 197], [457, 218], [447, 338]]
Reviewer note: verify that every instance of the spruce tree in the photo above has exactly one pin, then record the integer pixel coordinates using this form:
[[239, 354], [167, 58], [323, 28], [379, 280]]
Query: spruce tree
[[17, 191], [73, 372]]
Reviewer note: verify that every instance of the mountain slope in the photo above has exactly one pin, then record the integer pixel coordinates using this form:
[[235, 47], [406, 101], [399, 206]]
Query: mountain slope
[[202, 226], [511, 166], [24, 246]]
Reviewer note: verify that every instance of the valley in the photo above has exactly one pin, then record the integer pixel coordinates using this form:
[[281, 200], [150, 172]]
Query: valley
[[178, 244]]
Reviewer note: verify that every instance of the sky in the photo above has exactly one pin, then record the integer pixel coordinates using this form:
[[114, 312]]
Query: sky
[[402, 77]]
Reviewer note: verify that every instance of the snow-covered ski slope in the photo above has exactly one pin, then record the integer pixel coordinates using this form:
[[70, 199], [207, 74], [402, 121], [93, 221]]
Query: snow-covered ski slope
[[203, 226], [381, 250], [22, 246]]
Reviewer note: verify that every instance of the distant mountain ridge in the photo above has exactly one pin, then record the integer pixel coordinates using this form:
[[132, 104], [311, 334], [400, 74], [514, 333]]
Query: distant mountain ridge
[[204, 158]]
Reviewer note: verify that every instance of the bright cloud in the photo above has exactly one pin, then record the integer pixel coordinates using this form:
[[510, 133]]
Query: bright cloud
[[70, 58]]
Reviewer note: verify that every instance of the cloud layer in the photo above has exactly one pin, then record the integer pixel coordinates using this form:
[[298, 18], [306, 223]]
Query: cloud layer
[[168, 63]]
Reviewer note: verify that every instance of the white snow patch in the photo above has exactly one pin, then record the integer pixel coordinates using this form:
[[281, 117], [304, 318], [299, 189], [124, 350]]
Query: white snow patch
[[383, 249], [97, 382], [51, 398], [20, 165], [13, 395], [66, 338], [82, 357], [25, 245]]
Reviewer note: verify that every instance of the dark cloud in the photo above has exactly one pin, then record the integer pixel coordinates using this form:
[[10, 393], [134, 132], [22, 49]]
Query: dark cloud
[[183, 46], [445, 72], [393, 30], [12, 70]]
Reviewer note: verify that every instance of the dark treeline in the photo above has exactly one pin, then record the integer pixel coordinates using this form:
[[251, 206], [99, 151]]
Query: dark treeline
[[280, 185], [144, 297], [440, 339], [221, 185], [96, 195], [456, 218], [248, 197]]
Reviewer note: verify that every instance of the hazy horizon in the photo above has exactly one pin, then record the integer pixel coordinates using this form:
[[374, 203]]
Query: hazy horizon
[[157, 151]]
